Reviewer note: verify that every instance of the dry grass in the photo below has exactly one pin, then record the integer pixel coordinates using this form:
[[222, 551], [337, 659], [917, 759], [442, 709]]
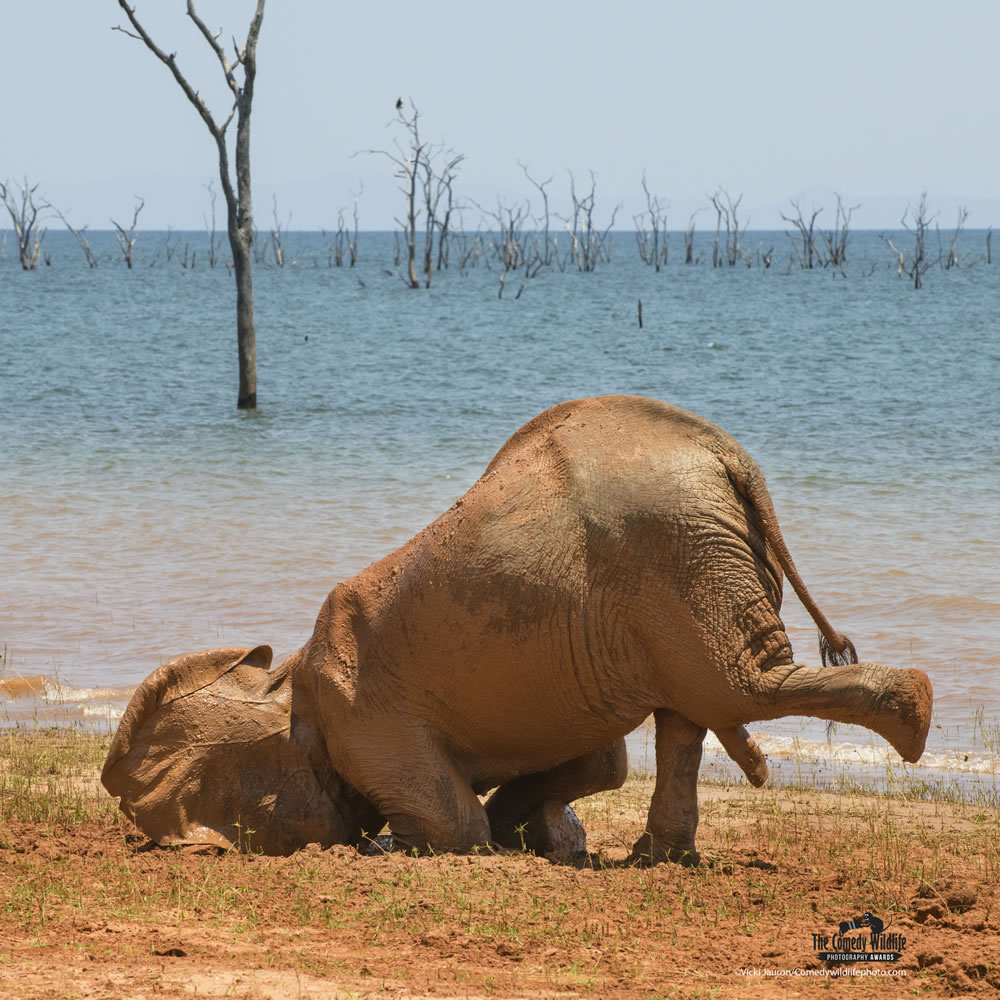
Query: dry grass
[[53, 775], [81, 896]]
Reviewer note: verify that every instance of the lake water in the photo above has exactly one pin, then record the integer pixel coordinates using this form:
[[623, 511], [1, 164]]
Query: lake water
[[144, 516]]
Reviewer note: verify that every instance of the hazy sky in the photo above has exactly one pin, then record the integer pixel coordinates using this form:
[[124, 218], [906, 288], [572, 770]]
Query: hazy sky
[[876, 99]]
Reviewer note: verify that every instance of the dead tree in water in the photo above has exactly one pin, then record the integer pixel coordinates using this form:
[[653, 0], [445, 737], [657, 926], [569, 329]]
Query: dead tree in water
[[211, 228], [407, 170], [588, 244], [335, 252], [917, 228], [807, 253], [836, 239], [126, 237], [80, 235], [726, 212], [508, 245], [279, 250], [916, 222], [437, 217], [951, 259], [689, 239], [423, 184], [544, 253], [511, 249], [653, 246], [236, 191], [23, 214]]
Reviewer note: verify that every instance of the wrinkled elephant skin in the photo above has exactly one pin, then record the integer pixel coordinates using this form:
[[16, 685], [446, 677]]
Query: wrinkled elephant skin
[[619, 557]]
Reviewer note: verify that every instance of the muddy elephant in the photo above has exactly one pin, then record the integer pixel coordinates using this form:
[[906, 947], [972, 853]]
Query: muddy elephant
[[619, 557]]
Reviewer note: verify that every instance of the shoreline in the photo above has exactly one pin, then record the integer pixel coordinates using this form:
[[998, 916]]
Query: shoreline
[[798, 751], [92, 907]]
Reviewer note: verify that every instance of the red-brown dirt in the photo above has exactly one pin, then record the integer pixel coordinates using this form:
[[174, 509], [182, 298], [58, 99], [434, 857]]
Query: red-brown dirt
[[92, 909]]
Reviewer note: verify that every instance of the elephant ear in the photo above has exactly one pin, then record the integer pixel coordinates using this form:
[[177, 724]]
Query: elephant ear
[[208, 752]]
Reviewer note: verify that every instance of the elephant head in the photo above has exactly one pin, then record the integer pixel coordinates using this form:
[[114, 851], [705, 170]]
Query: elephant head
[[209, 751]]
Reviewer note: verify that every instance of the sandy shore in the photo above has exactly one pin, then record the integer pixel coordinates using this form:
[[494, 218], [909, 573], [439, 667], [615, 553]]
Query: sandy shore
[[91, 909]]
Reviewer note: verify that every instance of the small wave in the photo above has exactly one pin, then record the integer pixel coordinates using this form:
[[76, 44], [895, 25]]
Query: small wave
[[20, 687], [813, 751], [109, 711], [56, 693]]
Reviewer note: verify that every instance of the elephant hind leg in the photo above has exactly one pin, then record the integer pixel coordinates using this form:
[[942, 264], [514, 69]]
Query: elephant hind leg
[[895, 703], [673, 811], [743, 749], [532, 811]]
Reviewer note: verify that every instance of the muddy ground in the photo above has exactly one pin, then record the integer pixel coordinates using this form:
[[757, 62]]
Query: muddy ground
[[89, 908]]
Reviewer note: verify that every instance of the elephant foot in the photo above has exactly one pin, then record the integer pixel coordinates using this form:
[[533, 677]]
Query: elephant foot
[[550, 830], [906, 713], [650, 850], [743, 749]]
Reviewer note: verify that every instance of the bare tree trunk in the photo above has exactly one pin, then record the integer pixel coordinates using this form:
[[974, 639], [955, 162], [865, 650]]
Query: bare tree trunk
[[126, 237], [917, 227], [546, 254], [727, 212], [353, 246], [410, 225], [689, 240], [211, 229], [245, 340], [589, 245], [279, 250], [238, 200], [836, 241], [918, 230], [808, 255], [652, 252], [952, 259], [24, 217]]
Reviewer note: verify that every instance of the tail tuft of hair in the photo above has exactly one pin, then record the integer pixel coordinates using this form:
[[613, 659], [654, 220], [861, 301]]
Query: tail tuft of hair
[[831, 658]]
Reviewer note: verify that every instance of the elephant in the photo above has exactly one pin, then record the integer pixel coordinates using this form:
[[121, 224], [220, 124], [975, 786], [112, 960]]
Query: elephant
[[619, 557]]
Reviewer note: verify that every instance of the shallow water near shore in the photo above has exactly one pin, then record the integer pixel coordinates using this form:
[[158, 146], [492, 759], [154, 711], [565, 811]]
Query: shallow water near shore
[[144, 516]]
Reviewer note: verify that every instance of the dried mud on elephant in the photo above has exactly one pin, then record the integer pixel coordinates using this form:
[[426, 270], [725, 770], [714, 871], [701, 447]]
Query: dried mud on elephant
[[618, 558]]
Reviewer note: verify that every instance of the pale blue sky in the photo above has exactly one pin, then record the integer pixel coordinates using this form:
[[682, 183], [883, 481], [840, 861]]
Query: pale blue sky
[[876, 99]]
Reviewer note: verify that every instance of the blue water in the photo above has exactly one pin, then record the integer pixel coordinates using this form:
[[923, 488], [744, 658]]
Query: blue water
[[144, 516]]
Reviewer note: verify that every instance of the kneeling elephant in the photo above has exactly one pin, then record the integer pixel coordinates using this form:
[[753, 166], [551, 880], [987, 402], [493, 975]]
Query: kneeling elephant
[[619, 557]]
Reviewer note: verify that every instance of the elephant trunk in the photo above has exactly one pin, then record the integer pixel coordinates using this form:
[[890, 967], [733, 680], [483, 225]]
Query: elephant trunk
[[896, 704]]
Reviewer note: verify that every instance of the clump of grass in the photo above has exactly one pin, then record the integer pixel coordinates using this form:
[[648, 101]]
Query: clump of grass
[[987, 731], [51, 775]]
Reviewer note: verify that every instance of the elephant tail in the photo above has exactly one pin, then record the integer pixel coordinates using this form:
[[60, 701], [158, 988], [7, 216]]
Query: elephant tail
[[835, 649]]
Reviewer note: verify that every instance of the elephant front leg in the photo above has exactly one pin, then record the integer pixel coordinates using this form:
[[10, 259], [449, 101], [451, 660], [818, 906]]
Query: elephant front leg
[[673, 812], [428, 803]]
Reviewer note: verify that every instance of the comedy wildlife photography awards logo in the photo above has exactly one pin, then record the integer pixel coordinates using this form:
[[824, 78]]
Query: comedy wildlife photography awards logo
[[863, 939]]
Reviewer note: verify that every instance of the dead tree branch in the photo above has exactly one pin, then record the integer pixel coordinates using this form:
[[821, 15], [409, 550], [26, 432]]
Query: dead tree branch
[[80, 235]]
